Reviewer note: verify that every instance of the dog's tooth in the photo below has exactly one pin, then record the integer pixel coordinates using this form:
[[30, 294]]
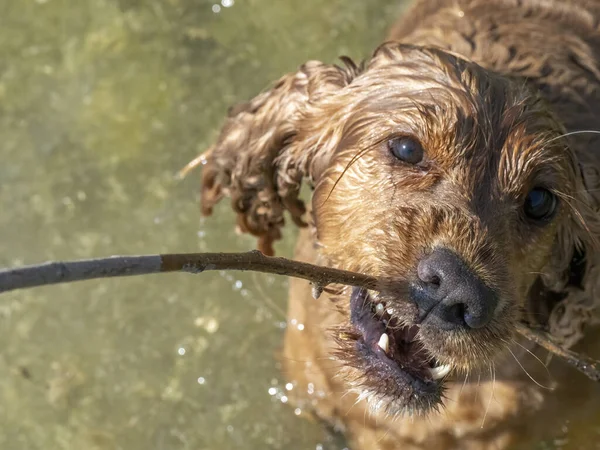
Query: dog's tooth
[[379, 309], [384, 342], [440, 371]]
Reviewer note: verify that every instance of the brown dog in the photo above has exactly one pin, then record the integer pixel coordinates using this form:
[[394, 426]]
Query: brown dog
[[451, 164]]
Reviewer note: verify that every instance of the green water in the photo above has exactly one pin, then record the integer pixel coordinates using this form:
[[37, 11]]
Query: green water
[[101, 103]]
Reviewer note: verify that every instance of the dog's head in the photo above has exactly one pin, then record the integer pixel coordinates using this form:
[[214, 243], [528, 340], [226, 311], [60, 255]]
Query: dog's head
[[452, 184]]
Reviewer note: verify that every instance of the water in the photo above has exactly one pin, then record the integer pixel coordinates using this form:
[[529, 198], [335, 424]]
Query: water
[[101, 103]]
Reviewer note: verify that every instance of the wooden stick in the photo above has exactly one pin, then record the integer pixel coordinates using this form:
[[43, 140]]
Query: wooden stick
[[588, 366], [122, 266]]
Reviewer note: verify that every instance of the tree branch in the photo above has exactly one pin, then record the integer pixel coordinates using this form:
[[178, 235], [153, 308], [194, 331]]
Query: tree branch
[[121, 266], [588, 366]]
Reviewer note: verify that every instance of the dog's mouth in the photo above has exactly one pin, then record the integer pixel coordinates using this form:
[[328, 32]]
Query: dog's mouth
[[399, 371]]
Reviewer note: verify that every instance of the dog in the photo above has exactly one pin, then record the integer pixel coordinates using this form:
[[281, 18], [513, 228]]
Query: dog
[[459, 164]]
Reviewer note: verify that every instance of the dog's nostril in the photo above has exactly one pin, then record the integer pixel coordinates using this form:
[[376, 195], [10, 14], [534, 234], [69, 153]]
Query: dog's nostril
[[457, 313], [452, 315], [435, 281]]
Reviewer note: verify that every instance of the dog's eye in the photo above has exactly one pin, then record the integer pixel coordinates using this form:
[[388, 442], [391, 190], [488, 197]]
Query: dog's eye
[[406, 149], [540, 204]]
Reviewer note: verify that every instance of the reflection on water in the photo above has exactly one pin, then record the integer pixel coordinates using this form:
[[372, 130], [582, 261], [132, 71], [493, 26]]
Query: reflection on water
[[101, 102]]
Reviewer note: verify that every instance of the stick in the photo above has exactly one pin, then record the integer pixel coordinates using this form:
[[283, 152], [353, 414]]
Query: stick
[[584, 364], [122, 266]]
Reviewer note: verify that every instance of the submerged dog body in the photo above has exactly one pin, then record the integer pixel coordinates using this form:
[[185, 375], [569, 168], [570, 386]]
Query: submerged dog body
[[446, 166]]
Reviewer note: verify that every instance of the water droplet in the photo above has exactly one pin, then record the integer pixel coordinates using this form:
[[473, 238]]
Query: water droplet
[[297, 411], [284, 399], [181, 351], [272, 391], [216, 9], [201, 380], [212, 325], [227, 3], [300, 326], [289, 386]]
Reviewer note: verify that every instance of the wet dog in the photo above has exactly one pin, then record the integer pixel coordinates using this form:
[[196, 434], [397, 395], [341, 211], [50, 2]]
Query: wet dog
[[455, 163]]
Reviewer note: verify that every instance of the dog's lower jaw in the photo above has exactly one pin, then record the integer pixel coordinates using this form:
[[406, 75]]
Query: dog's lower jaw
[[384, 362]]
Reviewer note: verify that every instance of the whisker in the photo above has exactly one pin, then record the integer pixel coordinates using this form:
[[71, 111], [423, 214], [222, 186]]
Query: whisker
[[572, 133], [463, 385], [478, 385], [345, 394], [355, 158], [493, 376], [534, 355], [387, 431], [358, 400], [527, 373]]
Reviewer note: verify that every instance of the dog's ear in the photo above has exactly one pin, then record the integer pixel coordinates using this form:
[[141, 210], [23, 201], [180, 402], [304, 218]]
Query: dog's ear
[[257, 160]]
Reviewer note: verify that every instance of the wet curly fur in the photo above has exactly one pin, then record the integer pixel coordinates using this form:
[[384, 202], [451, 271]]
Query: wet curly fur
[[502, 96]]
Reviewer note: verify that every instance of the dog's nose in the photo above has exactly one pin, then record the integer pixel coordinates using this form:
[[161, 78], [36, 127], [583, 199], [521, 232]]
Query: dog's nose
[[449, 290]]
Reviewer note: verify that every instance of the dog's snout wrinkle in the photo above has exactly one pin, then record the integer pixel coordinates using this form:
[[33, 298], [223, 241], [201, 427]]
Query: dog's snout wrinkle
[[447, 289]]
